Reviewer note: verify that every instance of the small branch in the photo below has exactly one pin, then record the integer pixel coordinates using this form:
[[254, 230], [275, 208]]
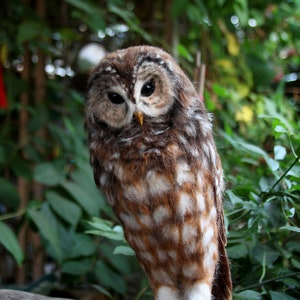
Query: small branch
[[267, 281], [199, 75], [18, 213], [284, 174]]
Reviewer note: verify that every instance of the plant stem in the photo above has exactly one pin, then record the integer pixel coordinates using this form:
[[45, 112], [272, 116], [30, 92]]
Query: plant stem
[[141, 293], [267, 281], [17, 213], [284, 174]]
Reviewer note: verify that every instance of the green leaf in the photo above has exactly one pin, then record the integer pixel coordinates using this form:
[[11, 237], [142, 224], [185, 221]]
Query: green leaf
[[10, 242], [8, 194], [105, 228], [46, 173], [124, 250], [82, 245], [118, 262], [265, 255], [109, 278], [21, 168], [241, 10], [178, 7], [237, 251], [220, 90], [114, 234], [83, 197], [279, 152], [46, 230], [248, 295], [290, 228], [31, 31], [66, 209], [77, 268], [234, 199], [84, 6], [280, 296], [184, 52], [130, 20]]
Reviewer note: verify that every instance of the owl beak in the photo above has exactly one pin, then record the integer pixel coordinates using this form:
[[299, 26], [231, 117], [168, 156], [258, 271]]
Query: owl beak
[[139, 116]]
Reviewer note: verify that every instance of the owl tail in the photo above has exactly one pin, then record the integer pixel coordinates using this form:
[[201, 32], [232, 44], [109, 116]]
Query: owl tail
[[222, 285]]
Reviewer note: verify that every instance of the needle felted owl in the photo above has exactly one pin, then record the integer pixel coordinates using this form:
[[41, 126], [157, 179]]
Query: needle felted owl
[[154, 157]]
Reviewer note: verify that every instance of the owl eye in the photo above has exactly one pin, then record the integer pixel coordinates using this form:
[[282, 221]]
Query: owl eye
[[115, 98], [148, 88]]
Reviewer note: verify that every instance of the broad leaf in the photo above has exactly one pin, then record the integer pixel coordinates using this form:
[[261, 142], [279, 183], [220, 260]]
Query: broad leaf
[[109, 278], [46, 173], [46, 230], [65, 208], [124, 250], [84, 197], [290, 228], [248, 295], [265, 255], [10, 242], [8, 194], [77, 268], [280, 296], [279, 152]]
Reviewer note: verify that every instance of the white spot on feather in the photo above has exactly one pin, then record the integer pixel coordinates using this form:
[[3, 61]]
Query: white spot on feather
[[103, 179], [119, 171], [137, 192], [207, 236], [209, 261], [189, 232], [200, 201], [147, 256], [139, 243], [183, 173], [160, 275], [166, 292], [160, 214], [185, 204], [172, 254], [190, 129], [129, 221], [146, 220], [162, 256], [170, 232], [200, 291], [190, 270], [158, 183]]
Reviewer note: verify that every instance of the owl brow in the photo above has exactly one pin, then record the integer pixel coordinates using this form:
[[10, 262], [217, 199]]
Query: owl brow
[[105, 70], [157, 60]]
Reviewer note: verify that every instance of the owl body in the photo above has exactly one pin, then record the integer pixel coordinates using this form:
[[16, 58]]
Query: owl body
[[154, 158]]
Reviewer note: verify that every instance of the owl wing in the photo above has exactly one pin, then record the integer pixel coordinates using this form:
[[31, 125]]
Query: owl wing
[[222, 285]]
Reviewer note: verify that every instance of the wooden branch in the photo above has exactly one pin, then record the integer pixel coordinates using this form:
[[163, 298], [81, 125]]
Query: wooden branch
[[199, 75], [22, 183], [38, 188]]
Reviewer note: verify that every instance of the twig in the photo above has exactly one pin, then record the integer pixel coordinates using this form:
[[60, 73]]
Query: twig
[[199, 75], [284, 174], [267, 281]]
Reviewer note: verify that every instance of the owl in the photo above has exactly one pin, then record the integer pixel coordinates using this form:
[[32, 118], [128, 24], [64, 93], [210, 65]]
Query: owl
[[154, 157]]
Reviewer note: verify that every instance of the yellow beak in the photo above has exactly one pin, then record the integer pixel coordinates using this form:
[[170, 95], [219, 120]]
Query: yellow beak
[[139, 116]]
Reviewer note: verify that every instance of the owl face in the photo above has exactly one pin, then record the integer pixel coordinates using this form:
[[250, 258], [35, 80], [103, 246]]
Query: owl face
[[126, 86]]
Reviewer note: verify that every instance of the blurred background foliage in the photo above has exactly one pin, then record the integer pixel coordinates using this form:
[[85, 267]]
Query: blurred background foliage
[[57, 234]]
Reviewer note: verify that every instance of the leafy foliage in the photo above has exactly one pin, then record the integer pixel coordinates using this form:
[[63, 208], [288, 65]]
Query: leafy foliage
[[250, 49]]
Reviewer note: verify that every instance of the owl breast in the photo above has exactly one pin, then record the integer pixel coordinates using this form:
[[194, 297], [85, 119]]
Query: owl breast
[[158, 190]]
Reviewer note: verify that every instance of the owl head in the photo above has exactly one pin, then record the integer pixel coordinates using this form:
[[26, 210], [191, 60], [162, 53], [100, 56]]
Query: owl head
[[138, 84]]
